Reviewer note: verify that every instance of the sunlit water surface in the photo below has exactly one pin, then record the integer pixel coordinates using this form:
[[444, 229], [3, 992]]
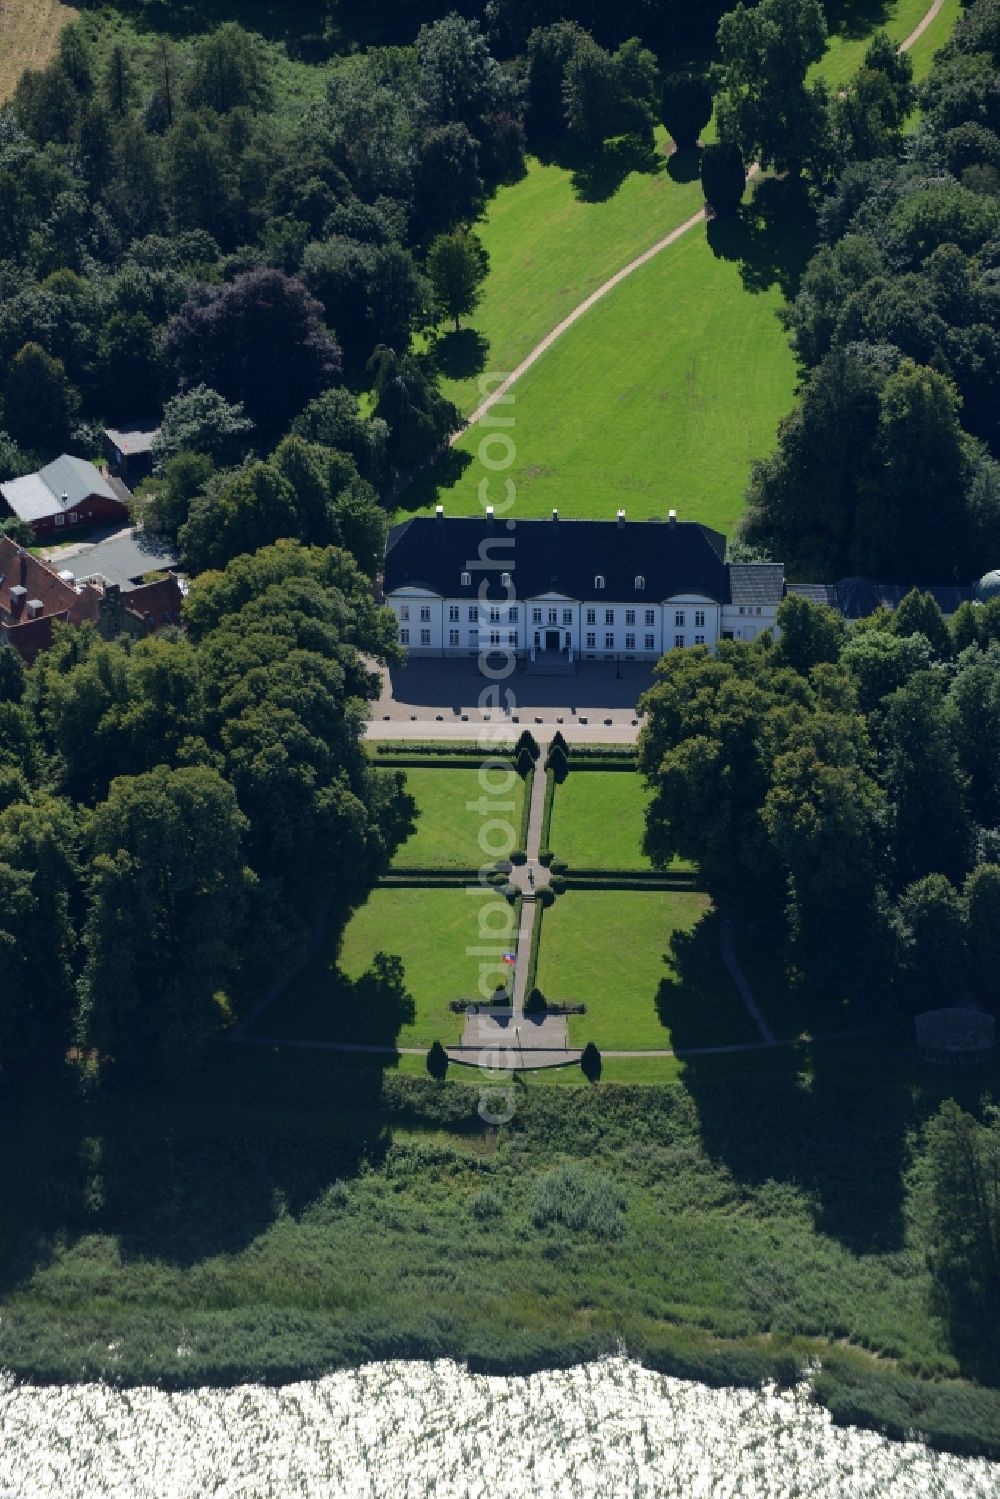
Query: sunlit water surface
[[404, 1429]]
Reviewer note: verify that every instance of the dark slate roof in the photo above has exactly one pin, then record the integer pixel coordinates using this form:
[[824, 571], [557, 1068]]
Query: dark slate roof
[[756, 583], [558, 556], [126, 558], [857, 598]]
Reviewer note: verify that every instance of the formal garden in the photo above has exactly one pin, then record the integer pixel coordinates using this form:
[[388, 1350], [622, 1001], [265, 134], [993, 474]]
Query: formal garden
[[638, 950]]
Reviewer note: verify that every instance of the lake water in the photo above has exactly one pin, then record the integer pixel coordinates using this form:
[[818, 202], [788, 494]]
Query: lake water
[[405, 1430]]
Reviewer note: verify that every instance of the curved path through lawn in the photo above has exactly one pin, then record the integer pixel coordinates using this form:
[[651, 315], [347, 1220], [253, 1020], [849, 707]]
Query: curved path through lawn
[[584, 307]]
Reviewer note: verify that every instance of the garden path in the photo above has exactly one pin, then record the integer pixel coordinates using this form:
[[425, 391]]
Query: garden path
[[496, 396]]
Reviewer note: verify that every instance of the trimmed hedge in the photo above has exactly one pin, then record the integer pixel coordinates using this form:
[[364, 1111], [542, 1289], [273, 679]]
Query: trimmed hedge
[[412, 762], [529, 786], [612, 881], [440, 749], [536, 937], [545, 895], [550, 791]]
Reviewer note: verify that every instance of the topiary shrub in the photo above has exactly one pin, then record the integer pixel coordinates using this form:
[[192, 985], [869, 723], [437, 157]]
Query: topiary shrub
[[524, 764], [503, 866], [590, 1063], [558, 884], [545, 856], [686, 107], [527, 741], [535, 1003], [518, 856], [559, 866], [557, 762], [545, 895], [511, 893], [557, 739], [437, 1062], [498, 879]]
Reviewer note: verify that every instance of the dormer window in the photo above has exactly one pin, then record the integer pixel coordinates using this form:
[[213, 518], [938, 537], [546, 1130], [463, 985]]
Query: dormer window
[[640, 583], [599, 581], [466, 580]]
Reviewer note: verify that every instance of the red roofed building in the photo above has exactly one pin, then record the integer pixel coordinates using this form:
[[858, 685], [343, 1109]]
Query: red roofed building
[[33, 596]]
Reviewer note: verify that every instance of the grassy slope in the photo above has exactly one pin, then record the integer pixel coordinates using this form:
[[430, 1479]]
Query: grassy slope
[[659, 397], [29, 31], [683, 339], [446, 834], [433, 932]]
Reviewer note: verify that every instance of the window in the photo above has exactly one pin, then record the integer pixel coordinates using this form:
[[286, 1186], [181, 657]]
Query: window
[[425, 613], [630, 642], [679, 641], [650, 642], [679, 617], [453, 613], [650, 617], [60, 520], [505, 580], [404, 636], [591, 641], [609, 641], [536, 616], [630, 616], [553, 616], [609, 616], [599, 581], [567, 616], [404, 611], [538, 638], [473, 615], [592, 616], [452, 637], [73, 518], [742, 610], [425, 637], [699, 640], [494, 614], [513, 640], [758, 609], [473, 637], [699, 619], [512, 614], [640, 583], [466, 580], [494, 637]]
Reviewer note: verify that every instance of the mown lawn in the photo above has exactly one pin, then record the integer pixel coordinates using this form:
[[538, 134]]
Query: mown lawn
[[434, 933], [663, 394], [846, 48], [611, 949], [550, 246], [598, 821], [922, 52], [447, 831]]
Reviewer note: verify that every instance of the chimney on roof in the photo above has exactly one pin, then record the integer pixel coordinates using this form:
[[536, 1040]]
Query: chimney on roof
[[64, 498], [621, 520], [35, 608], [439, 512], [489, 516], [672, 518], [24, 565], [555, 515], [17, 598]]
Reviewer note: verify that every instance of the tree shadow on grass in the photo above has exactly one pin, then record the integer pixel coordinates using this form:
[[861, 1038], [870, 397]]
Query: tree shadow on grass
[[600, 174], [855, 18], [684, 166], [772, 240], [460, 354], [444, 472], [697, 1002], [795, 1115]]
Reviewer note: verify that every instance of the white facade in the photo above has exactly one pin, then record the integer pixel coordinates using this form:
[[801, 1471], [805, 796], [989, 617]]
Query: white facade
[[597, 629]]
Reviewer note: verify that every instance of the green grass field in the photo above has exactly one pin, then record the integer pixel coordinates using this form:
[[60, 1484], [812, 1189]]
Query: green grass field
[[447, 832], [922, 52], [598, 820], [610, 949], [432, 932], [549, 248], [663, 394]]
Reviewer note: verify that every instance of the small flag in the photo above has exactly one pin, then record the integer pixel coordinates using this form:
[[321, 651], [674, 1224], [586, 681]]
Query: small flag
[[509, 957]]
